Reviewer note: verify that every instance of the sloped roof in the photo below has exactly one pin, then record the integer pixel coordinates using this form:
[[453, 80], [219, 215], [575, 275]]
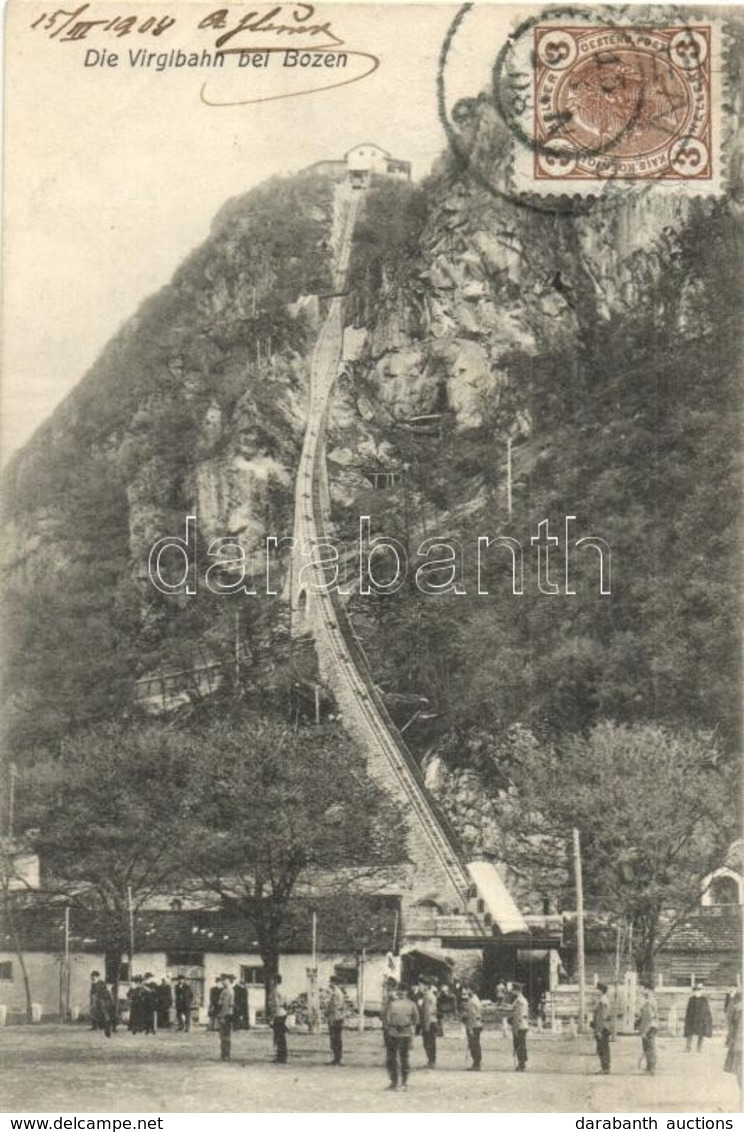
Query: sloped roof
[[41, 928], [498, 901], [717, 929], [374, 145]]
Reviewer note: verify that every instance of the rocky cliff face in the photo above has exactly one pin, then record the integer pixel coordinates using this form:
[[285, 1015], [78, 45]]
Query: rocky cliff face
[[196, 407], [488, 318], [495, 278], [598, 339]]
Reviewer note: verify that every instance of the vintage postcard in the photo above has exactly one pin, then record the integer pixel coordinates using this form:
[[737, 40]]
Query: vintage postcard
[[371, 560]]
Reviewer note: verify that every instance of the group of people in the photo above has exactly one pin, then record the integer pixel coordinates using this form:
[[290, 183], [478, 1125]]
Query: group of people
[[101, 1010], [698, 1026], [150, 1004], [240, 1003], [405, 1013]]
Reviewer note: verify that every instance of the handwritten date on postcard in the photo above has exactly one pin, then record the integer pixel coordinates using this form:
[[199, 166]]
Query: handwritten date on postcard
[[281, 20]]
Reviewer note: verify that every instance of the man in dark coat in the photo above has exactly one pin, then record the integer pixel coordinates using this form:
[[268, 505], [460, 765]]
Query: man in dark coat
[[164, 1001], [149, 1002], [184, 997], [698, 1019], [101, 1004], [214, 1003], [136, 995], [240, 991]]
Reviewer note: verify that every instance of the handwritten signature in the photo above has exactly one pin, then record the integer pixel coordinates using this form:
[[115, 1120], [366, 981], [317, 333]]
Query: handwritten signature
[[280, 21], [301, 16]]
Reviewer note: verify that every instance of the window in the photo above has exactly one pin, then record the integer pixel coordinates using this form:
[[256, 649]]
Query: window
[[184, 958], [347, 975], [115, 973], [6, 972], [253, 975], [724, 890]]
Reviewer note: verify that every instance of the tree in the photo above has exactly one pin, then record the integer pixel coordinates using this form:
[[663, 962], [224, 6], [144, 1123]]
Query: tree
[[654, 811], [12, 883], [280, 810], [106, 816]]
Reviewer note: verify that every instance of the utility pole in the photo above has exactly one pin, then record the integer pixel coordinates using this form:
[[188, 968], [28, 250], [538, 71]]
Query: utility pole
[[317, 703], [509, 476], [579, 928], [360, 989], [13, 771], [315, 939], [313, 1002], [65, 1004], [237, 649], [131, 931]]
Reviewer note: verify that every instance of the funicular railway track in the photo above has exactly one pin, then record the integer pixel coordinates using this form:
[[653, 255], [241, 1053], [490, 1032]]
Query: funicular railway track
[[343, 663]]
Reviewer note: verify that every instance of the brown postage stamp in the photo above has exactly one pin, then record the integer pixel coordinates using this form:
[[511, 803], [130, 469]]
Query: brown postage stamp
[[622, 102], [591, 103]]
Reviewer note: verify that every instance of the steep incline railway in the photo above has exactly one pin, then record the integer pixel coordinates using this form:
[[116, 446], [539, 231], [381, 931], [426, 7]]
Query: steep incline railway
[[439, 870]]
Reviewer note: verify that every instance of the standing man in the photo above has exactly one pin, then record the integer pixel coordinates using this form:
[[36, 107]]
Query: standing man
[[225, 1009], [93, 1000], [149, 1001], [335, 1011], [164, 1002], [278, 1012], [520, 1023], [101, 1004], [429, 1024], [214, 1002], [603, 1027], [472, 1016], [136, 996], [732, 1064], [647, 1026], [698, 1019], [388, 994], [400, 1022], [241, 1005], [184, 998]]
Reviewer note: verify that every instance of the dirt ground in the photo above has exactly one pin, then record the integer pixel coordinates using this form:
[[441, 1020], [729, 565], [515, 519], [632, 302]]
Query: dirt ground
[[73, 1070]]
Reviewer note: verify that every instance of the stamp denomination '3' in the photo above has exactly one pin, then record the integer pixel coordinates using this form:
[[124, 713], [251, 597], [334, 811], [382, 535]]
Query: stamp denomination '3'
[[623, 103]]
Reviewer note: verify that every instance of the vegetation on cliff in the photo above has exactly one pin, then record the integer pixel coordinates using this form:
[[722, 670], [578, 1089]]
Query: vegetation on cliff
[[634, 427], [206, 375]]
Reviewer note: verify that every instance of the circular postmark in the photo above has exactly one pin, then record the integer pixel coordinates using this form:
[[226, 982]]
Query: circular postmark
[[595, 106]]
